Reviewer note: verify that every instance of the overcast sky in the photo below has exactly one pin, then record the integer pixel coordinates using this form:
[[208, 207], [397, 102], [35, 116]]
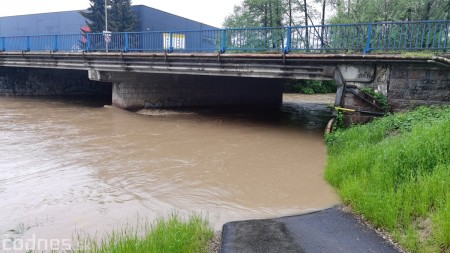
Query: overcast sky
[[211, 12]]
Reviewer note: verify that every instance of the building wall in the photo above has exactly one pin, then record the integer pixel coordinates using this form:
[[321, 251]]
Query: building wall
[[151, 19], [70, 22], [67, 22]]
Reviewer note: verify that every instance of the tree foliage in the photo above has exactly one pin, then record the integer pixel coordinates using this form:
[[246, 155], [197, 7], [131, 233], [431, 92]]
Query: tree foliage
[[360, 11], [95, 15], [257, 13], [121, 17], [273, 13], [270, 13]]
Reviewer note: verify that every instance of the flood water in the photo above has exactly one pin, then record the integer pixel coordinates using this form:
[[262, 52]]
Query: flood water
[[69, 166]]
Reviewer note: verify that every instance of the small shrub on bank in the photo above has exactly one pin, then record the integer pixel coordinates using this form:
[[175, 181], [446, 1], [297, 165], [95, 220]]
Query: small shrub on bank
[[395, 171]]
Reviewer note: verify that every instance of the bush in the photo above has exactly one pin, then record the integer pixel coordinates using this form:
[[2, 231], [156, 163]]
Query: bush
[[312, 86]]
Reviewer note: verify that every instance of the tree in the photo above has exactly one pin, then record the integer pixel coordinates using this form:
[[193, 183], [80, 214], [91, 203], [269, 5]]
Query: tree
[[278, 13], [120, 16], [305, 8], [361, 11], [123, 17], [241, 17], [257, 13], [95, 16]]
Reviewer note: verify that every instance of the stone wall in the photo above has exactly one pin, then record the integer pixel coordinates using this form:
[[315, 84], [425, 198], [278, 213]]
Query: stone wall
[[49, 82], [135, 91], [414, 85]]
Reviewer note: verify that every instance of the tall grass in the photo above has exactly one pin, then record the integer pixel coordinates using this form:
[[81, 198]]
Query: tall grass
[[172, 234], [395, 171]]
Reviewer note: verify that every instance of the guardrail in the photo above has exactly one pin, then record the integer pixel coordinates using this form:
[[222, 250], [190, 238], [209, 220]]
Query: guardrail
[[365, 38]]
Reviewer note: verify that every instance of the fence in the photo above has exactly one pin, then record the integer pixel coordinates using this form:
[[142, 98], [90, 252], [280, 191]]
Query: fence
[[365, 38]]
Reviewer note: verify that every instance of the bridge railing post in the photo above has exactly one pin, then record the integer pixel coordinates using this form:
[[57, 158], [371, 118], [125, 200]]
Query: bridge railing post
[[3, 44], [171, 42], [288, 40], [88, 42], [127, 43], [447, 34], [28, 46], [223, 45], [369, 38], [55, 43]]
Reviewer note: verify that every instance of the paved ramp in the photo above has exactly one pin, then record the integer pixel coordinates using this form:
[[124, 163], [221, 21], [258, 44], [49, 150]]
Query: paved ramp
[[327, 231]]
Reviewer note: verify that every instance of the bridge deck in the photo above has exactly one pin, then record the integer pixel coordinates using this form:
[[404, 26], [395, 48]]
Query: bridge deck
[[275, 65]]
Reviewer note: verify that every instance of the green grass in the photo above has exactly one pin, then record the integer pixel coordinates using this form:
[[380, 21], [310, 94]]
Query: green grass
[[173, 234], [395, 171]]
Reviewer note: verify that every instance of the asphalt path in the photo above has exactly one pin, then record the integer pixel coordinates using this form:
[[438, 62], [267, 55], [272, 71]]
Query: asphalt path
[[328, 231]]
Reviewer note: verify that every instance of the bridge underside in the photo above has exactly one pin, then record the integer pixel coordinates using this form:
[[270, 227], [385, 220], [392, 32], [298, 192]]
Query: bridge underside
[[133, 91]]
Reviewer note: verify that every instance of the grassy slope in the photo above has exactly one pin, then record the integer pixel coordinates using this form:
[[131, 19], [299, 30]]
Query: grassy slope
[[396, 173], [165, 235]]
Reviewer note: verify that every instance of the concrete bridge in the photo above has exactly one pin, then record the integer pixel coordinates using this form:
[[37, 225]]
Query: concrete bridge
[[180, 72]]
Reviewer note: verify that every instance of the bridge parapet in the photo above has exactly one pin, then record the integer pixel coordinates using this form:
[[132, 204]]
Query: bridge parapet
[[331, 38]]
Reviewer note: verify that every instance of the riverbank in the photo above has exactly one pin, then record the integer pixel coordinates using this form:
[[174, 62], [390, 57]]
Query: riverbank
[[395, 172]]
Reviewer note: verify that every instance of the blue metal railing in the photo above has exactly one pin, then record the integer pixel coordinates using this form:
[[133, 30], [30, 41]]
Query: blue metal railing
[[365, 38]]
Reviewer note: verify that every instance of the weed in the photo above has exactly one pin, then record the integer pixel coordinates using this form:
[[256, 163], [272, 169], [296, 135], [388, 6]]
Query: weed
[[379, 97], [419, 54]]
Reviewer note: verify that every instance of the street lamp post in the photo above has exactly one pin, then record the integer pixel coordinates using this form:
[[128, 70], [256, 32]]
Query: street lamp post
[[106, 16], [105, 33]]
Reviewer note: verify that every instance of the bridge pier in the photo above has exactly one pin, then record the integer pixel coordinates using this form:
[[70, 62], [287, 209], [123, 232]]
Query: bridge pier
[[134, 91]]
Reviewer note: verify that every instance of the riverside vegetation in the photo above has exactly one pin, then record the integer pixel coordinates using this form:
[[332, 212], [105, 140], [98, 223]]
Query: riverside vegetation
[[311, 86], [395, 172], [172, 234]]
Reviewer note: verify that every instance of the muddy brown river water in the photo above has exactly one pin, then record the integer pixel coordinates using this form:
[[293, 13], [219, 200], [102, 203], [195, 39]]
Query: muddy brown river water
[[67, 165]]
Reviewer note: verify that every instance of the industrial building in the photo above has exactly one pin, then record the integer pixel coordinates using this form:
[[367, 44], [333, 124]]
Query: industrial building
[[71, 22], [66, 31]]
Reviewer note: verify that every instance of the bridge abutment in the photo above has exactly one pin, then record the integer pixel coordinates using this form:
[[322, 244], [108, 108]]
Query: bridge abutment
[[49, 82], [133, 91], [406, 86], [415, 85]]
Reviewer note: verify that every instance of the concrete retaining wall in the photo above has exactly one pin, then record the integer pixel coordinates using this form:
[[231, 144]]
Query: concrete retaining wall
[[49, 82]]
